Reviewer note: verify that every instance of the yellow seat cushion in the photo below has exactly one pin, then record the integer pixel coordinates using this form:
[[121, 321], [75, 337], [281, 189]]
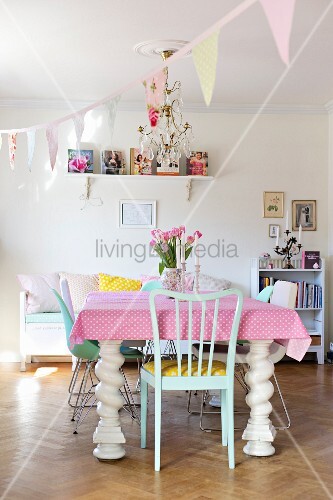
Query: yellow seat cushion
[[108, 283], [169, 368]]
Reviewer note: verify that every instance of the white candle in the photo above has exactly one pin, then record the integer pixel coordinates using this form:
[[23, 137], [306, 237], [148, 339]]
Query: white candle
[[196, 256], [277, 236], [299, 234], [178, 254], [182, 247], [287, 221]]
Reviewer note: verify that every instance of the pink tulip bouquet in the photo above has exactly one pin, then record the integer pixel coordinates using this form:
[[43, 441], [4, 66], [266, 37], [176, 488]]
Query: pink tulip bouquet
[[165, 244]]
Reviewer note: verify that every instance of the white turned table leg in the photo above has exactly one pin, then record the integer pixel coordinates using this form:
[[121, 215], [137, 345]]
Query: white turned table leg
[[259, 432], [108, 433]]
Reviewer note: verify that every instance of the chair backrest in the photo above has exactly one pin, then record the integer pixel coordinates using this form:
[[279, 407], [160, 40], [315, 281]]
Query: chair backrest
[[202, 320], [66, 296], [151, 285], [87, 350], [265, 294], [284, 294]]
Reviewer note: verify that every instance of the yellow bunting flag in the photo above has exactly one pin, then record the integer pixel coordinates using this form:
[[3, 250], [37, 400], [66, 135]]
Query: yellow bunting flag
[[205, 61]]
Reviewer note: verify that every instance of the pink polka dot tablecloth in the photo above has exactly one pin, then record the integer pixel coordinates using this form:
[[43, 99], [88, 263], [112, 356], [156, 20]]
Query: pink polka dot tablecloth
[[126, 316]]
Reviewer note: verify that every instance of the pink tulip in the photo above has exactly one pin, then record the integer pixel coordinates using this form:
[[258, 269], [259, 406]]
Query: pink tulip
[[152, 243], [164, 247], [190, 240], [174, 232], [198, 233], [182, 230]]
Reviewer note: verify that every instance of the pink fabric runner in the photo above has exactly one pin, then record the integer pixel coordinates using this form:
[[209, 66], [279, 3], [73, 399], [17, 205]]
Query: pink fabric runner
[[126, 316]]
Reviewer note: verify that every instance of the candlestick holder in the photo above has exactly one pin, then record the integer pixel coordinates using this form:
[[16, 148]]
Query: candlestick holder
[[196, 279], [291, 249], [182, 278]]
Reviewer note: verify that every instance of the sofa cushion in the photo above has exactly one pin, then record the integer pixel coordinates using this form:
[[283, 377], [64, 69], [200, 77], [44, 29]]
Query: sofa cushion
[[44, 318], [79, 286], [212, 284], [40, 299], [109, 283]]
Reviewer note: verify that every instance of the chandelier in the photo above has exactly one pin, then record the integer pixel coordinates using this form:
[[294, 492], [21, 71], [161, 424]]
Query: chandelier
[[170, 136]]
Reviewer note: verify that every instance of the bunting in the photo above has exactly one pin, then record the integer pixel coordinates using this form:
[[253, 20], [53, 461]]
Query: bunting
[[154, 95], [111, 107], [12, 149], [205, 61], [52, 139], [78, 120], [31, 137], [280, 17], [0, 141]]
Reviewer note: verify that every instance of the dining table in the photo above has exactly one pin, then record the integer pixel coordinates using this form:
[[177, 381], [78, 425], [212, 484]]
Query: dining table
[[112, 317]]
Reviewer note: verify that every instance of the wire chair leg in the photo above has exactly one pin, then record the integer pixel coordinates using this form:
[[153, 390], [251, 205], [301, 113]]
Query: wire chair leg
[[73, 381], [81, 390], [282, 428]]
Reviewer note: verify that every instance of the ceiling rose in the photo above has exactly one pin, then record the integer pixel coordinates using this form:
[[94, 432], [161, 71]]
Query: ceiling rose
[[152, 48]]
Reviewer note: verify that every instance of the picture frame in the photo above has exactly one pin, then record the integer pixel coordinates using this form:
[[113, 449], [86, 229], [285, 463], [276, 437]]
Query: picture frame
[[273, 230], [273, 204], [304, 213], [112, 162], [140, 163], [80, 161], [197, 163], [137, 214]]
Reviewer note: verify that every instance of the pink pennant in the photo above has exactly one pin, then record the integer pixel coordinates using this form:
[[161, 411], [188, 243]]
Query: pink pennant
[[154, 95], [52, 139], [12, 149], [280, 17]]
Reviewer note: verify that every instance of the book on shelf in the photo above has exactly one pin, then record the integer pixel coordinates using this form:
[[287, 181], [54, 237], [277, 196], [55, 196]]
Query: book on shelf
[[308, 295], [310, 259]]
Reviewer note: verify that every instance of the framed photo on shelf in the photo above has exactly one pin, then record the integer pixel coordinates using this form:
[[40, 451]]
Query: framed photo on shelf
[[112, 162], [304, 214], [273, 204], [140, 164], [139, 214], [273, 230], [197, 163], [80, 161]]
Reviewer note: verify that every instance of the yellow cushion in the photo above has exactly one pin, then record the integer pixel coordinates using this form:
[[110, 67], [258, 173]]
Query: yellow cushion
[[109, 283], [169, 368]]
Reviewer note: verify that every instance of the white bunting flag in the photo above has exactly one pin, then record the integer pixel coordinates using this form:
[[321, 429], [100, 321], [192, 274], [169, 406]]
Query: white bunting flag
[[0, 141], [78, 120], [52, 139], [205, 61], [111, 107], [12, 149], [31, 136]]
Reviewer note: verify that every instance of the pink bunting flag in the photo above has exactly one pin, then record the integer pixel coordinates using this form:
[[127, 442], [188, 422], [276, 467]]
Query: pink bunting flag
[[155, 95], [31, 138], [52, 139], [12, 149], [280, 15], [78, 120]]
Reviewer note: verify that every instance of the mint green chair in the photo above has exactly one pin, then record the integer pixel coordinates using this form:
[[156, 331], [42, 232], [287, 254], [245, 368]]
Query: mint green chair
[[265, 294], [192, 375], [151, 285]]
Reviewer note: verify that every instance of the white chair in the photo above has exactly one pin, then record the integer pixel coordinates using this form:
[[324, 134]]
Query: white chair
[[283, 295]]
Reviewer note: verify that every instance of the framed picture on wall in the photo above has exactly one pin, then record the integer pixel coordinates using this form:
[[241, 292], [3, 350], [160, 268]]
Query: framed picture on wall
[[273, 230], [273, 204], [304, 214], [139, 214]]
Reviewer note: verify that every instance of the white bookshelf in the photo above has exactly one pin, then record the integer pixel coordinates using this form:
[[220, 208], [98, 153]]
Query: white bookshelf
[[312, 318]]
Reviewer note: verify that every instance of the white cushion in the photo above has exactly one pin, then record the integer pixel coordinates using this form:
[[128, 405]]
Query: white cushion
[[40, 298], [212, 284], [79, 286]]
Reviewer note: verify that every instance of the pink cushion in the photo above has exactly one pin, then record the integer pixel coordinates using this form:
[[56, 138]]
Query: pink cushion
[[145, 278], [38, 287]]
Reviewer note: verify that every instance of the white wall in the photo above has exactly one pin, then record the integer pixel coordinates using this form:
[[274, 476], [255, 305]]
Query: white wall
[[43, 228]]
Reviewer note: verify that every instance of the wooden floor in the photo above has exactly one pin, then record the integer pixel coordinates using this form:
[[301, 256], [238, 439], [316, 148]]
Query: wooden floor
[[41, 458]]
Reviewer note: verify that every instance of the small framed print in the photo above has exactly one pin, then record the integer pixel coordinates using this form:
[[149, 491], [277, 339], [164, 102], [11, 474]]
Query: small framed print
[[304, 214], [273, 230], [139, 214], [273, 204]]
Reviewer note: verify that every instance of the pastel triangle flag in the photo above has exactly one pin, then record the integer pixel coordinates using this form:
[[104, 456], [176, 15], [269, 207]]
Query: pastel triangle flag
[[52, 139], [205, 61], [12, 149], [280, 15], [155, 95], [78, 120], [111, 107], [31, 137]]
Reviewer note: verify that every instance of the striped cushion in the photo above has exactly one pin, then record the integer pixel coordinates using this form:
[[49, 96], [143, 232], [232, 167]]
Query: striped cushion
[[169, 368]]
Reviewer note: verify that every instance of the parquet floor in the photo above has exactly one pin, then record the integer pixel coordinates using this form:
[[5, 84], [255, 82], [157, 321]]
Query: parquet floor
[[42, 459]]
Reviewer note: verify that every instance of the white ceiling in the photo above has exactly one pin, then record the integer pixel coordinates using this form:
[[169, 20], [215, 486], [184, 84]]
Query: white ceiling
[[83, 50]]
